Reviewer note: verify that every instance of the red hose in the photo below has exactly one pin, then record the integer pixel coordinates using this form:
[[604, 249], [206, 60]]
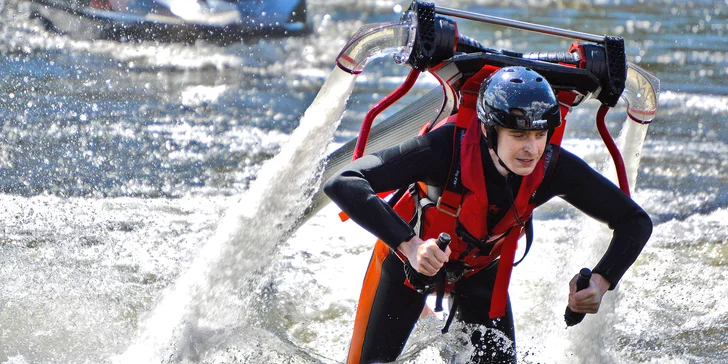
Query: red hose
[[384, 103], [613, 150]]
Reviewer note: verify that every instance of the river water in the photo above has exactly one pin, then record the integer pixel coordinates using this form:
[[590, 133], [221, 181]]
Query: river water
[[123, 164]]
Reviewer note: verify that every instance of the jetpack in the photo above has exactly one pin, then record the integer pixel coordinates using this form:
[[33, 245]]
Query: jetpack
[[426, 39]]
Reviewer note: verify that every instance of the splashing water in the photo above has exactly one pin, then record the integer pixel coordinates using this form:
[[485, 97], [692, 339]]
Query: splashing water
[[598, 329], [208, 300]]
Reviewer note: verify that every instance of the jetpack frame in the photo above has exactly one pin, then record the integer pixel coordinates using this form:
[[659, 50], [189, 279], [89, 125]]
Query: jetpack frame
[[426, 41]]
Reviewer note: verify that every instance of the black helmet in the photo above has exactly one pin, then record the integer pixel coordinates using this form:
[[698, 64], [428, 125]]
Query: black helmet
[[517, 98]]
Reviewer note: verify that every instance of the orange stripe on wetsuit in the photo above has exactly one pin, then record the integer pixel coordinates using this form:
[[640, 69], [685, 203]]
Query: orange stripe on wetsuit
[[366, 298], [404, 208]]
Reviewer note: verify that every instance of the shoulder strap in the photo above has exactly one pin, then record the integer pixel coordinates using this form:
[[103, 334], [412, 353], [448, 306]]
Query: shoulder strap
[[452, 194]]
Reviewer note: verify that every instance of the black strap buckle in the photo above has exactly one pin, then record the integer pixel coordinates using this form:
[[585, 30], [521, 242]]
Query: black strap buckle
[[484, 247]]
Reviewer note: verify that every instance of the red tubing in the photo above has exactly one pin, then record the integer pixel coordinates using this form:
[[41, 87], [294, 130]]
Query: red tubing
[[613, 150], [384, 103]]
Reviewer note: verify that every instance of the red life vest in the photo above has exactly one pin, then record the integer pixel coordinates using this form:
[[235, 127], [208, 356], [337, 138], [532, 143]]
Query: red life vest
[[469, 208]]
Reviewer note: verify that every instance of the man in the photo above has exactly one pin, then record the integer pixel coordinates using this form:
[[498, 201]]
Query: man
[[487, 171]]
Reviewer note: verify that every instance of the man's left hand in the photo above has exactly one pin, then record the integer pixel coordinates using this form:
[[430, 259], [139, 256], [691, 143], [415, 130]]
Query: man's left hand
[[589, 299]]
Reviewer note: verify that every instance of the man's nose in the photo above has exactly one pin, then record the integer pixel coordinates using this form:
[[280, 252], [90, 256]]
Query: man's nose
[[530, 144]]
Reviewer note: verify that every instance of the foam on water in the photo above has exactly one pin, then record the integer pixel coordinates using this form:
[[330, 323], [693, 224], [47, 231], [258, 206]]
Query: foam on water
[[676, 316]]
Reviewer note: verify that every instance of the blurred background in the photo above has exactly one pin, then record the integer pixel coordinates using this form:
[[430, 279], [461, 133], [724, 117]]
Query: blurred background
[[120, 154]]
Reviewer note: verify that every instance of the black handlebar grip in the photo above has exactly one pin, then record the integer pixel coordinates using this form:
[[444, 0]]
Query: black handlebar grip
[[573, 318], [443, 241]]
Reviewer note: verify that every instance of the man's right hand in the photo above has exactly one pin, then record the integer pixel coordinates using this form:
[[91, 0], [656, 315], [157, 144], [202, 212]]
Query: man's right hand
[[424, 256]]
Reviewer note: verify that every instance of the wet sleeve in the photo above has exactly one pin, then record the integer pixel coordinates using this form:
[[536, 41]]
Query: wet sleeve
[[425, 158], [577, 183]]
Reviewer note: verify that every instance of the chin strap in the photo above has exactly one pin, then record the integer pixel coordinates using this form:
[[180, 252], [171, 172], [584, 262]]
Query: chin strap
[[510, 173], [502, 164]]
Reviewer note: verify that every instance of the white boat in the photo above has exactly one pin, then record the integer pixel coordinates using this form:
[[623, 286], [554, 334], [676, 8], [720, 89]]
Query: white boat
[[219, 21]]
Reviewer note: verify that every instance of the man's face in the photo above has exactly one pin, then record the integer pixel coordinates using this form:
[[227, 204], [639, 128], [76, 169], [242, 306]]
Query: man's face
[[520, 150]]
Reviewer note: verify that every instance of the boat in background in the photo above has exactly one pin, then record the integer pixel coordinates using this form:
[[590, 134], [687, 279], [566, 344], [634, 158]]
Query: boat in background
[[218, 21]]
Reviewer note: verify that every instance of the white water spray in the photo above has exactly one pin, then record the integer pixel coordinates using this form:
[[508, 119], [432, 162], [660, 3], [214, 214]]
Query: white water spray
[[587, 340], [209, 298]]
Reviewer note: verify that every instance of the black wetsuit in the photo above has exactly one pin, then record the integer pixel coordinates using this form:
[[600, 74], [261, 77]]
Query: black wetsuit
[[427, 158]]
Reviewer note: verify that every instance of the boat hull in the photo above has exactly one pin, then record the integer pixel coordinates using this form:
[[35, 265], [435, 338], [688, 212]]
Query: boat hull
[[228, 23]]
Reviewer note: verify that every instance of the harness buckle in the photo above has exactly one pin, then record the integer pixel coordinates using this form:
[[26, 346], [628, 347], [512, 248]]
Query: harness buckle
[[447, 209], [454, 270]]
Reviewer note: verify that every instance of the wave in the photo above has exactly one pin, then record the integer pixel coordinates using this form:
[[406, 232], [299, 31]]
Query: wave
[[712, 103]]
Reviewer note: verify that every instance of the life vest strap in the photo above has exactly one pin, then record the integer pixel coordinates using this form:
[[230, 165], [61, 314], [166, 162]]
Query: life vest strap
[[453, 310], [452, 195], [503, 276], [484, 246], [450, 208]]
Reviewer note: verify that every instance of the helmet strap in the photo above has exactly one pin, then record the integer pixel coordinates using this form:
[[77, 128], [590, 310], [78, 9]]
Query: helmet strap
[[491, 137], [500, 161]]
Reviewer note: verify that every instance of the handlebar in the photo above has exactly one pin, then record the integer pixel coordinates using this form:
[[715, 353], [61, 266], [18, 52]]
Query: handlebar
[[573, 318], [443, 241], [419, 281]]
